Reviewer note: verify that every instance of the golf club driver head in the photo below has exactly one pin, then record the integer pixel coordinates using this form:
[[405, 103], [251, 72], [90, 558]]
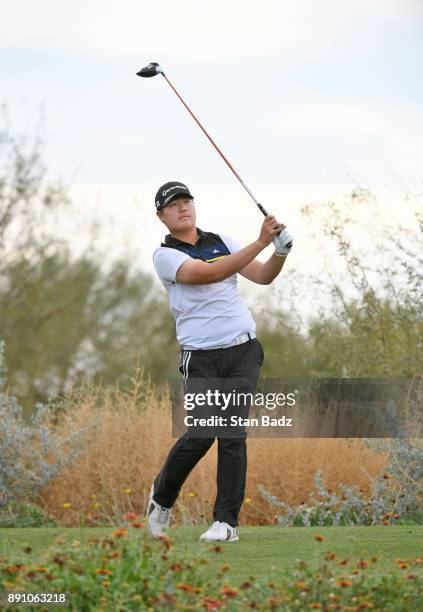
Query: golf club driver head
[[151, 70]]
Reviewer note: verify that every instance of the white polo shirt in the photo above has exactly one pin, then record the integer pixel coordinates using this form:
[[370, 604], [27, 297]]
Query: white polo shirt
[[205, 315]]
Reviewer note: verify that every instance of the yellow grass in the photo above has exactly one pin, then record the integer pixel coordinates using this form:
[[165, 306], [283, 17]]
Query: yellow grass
[[133, 437]]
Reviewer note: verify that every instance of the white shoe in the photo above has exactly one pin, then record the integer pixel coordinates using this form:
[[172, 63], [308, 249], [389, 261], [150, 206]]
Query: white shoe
[[158, 517], [220, 532]]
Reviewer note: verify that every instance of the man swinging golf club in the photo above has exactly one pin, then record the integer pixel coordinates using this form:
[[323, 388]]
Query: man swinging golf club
[[215, 330], [217, 335]]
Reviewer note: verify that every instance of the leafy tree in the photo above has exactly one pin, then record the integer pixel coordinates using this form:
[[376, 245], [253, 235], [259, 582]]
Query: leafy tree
[[373, 326], [64, 316], [287, 350]]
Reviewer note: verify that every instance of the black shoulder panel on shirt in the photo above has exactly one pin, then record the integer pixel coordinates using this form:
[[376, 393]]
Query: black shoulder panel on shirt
[[209, 246]]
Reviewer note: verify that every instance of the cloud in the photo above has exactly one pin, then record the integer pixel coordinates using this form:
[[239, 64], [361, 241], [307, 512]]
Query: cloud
[[291, 89], [354, 119], [189, 29]]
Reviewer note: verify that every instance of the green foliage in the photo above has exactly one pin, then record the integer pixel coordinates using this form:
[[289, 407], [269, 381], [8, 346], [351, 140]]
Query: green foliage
[[369, 301], [65, 316], [128, 572], [372, 337], [76, 321], [19, 515], [287, 351]]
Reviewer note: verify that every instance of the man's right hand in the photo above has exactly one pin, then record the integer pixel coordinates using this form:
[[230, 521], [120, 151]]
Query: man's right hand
[[269, 229]]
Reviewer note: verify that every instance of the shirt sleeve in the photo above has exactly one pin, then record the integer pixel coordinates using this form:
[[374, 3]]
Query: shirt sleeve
[[233, 245], [167, 262]]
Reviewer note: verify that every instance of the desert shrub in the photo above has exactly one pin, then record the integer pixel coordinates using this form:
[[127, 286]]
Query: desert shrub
[[31, 453], [133, 437], [402, 480], [396, 496], [126, 571]]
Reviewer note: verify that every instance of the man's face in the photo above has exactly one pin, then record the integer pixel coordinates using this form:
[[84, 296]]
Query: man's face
[[178, 215]]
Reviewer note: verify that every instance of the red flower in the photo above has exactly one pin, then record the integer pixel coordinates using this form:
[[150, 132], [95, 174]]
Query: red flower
[[130, 516], [119, 533], [300, 584], [59, 560], [165, 540], [217, 548], [31, 575], [246, 585], [228, 591], [168, 597], [211, 603], [185, 587]]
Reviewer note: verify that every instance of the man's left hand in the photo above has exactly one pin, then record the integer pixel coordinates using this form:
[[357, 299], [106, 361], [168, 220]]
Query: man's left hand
[[283, 243]]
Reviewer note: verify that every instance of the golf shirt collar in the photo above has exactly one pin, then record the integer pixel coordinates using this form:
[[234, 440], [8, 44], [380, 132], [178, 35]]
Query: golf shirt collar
[[170, 241]]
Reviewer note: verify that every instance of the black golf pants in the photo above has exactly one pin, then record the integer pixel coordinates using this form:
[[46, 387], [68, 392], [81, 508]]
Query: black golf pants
[[237, 362]]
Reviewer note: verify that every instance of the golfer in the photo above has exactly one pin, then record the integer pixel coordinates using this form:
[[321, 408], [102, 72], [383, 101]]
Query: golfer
[[217, 335]]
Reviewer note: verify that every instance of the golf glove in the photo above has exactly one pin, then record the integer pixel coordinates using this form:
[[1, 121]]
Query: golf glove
[[283, 243]]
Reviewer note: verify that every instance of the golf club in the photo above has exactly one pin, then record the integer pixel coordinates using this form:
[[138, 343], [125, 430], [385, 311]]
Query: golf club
[[151, 70]]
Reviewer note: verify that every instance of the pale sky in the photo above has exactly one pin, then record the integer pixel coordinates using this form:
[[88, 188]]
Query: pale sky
[[307, 98]]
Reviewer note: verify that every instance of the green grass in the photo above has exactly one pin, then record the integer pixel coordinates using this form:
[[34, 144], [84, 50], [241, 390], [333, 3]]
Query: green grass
[[261, 551]]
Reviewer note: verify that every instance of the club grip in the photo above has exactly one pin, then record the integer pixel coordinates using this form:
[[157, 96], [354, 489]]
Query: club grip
[[263, 210]]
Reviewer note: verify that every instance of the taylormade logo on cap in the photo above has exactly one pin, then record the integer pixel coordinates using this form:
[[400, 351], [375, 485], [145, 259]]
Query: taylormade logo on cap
[[169, 191], [166, 191]]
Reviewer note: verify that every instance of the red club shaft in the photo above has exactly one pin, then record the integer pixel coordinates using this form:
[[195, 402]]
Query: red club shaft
[[216, 147]]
